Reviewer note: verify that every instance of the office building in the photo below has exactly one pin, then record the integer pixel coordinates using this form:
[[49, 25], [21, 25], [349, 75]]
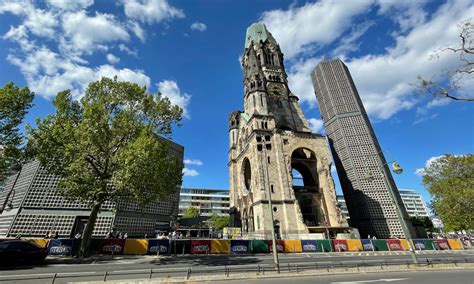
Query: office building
[[208, 201], [414, 203]]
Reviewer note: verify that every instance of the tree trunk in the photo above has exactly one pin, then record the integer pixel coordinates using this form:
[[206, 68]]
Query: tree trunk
[[87, 234]]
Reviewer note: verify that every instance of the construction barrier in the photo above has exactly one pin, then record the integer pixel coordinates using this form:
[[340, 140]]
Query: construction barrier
[[292, 246], [42, 243], [380, 245], [419, 244], [404, 244], [63, 246], [310, 246], [394, 245], [368, 245], [443, 244], [158, 247], [340, 245], [455, 244], [135, 246], [220, 246], [280, 244], [325, 245], [259, 246], [431, 244], [181, 246], [240, 246], [112, 246], [200, 246], [354, 245]]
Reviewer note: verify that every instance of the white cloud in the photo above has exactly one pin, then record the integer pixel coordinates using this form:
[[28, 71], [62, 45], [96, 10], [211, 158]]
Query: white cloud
[[151, 11], [349, 43], [70, 5], [421, 171], [112, 58], [86, 33], [193, 162], [198, 27], [316, 125], [300, 29], [137, 30], [170, 89], [190, 172], [407, 14]]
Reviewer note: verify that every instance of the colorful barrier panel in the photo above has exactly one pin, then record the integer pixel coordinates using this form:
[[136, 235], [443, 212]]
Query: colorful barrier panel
[[368, 245], [42, 243], [455, 244], [394, 245], [404, 244], [443, 244], [325, 245], [380, 245], [220, 246], [292, 246], [200, 246], [354, 245], [114, 246], [240, 246], [158, 247], [280, 244], [259, 246], [135, 246], [310, 246], [63, 246], [340, 245], [418, 244], [181, 246], [431, 244], [95, 246]]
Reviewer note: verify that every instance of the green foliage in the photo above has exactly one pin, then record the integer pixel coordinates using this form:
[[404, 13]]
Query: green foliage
[[14, 105], [425, 222], [108, 146], [191, 212], [219, 222], [450, 180]]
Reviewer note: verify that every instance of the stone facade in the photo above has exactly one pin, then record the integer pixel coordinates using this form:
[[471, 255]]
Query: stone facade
[[273, 152]]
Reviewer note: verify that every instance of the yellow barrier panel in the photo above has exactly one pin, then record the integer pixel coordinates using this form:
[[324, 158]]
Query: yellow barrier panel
[[135, 246], [405, 245], [354, 245], [455, 244], [293, 246], [220, 246], [39, 242]]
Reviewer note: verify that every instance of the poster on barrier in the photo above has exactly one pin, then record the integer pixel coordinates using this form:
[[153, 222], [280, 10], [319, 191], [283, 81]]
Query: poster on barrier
[[63, 246], [394, 245], [280, 244], [112, 246], [158, 247], [368, 245], [325, 245], [220, 246], [430, 244], [181, 246], [259, 246], [310, 246], [200, 246], [419, 244], [380, 245], [293, 246], [443, 244], [239, 246], [135, 246], [354, 245], [455, 244], [340, 245]]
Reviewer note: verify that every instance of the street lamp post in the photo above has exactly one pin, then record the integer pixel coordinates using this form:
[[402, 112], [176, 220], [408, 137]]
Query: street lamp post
[[398, 170], [270, 209]]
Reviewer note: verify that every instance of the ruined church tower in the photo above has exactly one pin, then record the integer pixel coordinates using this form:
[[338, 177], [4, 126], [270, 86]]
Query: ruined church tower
[[273, 152]]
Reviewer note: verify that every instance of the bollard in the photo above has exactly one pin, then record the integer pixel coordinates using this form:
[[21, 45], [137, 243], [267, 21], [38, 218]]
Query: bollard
[[327, 267], [54, 278], [357, 266], [297, 269], [289, 269], [258, 266], [151, 273], [263, 270], [408, 264], [189, 273], [105, 276], [316, 264], [184, 245]]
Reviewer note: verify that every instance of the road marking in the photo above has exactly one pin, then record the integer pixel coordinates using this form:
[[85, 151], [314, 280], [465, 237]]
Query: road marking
[[371, 281]]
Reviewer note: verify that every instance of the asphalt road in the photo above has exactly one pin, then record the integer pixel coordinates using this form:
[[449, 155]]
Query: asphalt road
[[409, 277], [130, 267]]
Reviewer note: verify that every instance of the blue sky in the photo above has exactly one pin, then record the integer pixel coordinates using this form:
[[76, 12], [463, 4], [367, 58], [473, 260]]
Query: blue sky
[[189, 51]]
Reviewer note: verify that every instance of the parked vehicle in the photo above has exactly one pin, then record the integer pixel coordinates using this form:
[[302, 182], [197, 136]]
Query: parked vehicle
[[20, 251]]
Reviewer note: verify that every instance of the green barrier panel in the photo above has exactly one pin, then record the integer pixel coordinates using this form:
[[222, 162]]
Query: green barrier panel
[[325, 245], [380, 245], [259, 246], [430, 244]]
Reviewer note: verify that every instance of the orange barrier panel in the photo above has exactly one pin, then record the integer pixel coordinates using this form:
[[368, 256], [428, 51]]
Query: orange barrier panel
[[293, 246], [220, 246], [404, 244], [455, 244], [133, 246], [354, 245], [39, 242]]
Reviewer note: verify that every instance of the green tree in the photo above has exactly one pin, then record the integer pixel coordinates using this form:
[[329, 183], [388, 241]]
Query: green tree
[[450, 180], [14, 105], [108, 146], [219, 222], [425, 222], [191, 212]]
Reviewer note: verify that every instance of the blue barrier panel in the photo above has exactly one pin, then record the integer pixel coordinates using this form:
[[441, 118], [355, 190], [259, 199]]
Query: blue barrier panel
[[239, 246], [163, 246], [419, 244], [63, 246], [310, 246], [367, 245]]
